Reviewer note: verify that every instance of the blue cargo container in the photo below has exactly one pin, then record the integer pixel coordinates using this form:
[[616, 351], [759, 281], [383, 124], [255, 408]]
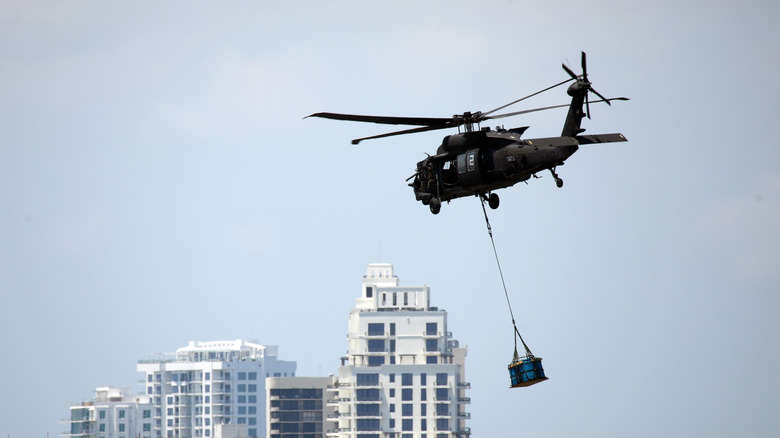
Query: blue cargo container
[[526, 372]]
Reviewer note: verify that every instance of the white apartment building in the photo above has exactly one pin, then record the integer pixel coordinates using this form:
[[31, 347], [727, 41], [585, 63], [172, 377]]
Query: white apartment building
[[204, 386], [113, 413], [403, 376]]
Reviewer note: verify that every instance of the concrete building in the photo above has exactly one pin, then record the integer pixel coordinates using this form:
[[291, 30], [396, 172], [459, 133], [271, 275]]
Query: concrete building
[[113, 413], [403, 376], [206, 385], [299, 407]]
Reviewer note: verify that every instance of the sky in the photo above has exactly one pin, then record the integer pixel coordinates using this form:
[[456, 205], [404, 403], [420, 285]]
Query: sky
[[159, 184]]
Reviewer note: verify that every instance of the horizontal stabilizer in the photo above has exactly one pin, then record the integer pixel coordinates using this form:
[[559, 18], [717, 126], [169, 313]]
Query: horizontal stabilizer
[[600, 138]]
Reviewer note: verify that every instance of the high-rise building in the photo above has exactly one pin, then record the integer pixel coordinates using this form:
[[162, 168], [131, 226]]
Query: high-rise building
[[299, 407], [403, 376], [206, 385], [113, 413]]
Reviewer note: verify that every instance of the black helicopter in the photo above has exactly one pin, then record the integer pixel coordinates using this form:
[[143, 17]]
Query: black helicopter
[[478, 161]]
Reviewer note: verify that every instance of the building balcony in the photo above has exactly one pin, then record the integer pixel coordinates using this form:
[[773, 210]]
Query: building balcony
[[464, 415], [464, 385], [465, 431], [464, 400]]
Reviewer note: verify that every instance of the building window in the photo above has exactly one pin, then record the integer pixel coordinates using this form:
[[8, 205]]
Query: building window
[[406, 379], [423, 379], [407, 409], [406, 394], [441, 394], [431, 345], [102, 414], [252, 387], [441, 379], [407, 424], [431, 360], [376, 329], [368, 424], [392, 377], [208, 376], [424, 424], [252, 399], [253, 376], [367, 410], [367, 379], [241, 376], [121, 427], [369, 291], [423, 409], [423, 394], [431, 329], [102, 427], [121, 413], [367, 395], [392, 392], [392, 407], [392, 329], [241, 387], [147, 413], [147, 427], [442, 409], [376, 345], [442, 424], [375, 361]]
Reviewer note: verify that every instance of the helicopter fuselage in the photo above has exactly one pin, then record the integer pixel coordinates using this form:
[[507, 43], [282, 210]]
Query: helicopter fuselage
[[476, 163]]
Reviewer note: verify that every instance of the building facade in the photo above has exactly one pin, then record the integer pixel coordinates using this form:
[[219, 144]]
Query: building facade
[[113, 413], [208, 385], [403, 376], [299, 407]]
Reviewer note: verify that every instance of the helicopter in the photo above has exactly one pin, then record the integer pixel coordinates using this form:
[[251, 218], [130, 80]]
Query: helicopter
[[478, 161]]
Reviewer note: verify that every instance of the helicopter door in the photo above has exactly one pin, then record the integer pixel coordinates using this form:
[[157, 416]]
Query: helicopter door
[[468, 168]]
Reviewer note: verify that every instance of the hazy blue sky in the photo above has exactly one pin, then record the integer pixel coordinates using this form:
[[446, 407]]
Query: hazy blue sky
[[158, 184]]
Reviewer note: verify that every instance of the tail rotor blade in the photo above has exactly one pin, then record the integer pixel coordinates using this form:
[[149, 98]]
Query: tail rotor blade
[[569, 71], [584, 68]]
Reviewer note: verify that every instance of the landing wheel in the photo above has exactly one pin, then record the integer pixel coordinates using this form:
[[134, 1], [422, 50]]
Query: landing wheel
[[435, 205], [559, 182], [493, 201]]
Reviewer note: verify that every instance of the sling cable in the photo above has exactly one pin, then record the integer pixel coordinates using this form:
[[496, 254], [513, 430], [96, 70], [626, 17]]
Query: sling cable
[[527, 370]]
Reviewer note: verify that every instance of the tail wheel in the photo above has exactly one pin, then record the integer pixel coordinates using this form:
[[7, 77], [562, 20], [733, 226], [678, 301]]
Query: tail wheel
[[435, 205], [493, 201]]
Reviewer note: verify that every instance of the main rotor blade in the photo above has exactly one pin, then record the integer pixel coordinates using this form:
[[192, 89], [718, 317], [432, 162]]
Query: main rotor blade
[[516, 113], [406, 131], [526, 97], [422, 121]]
